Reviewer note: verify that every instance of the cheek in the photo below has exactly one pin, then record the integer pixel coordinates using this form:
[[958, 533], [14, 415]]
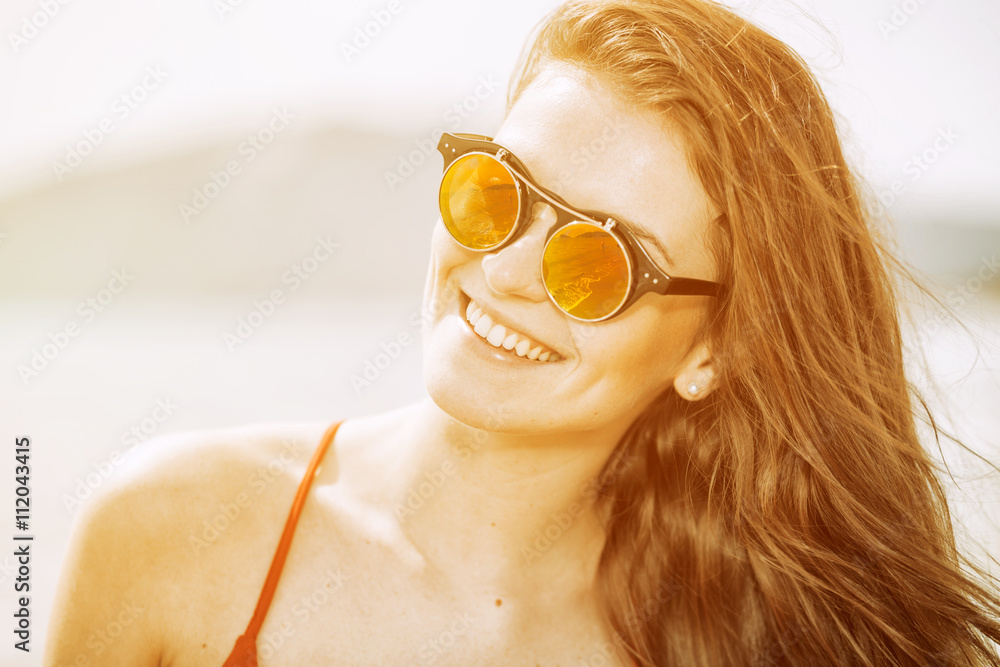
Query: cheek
[[646, 347], [648, 357], [445, 251]]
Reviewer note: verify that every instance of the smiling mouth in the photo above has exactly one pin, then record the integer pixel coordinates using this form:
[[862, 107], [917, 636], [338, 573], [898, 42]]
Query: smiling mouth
[[504, 338]]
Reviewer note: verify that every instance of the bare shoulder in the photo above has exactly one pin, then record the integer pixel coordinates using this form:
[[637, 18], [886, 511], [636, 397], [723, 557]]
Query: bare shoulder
[[162, 483], [216, 456], [172, 491], [163, 526]]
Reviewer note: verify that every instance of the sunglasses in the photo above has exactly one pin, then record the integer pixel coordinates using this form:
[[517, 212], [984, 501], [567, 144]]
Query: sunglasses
[[593, 267]]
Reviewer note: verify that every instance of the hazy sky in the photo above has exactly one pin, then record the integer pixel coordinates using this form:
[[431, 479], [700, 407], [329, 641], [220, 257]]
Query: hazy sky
[[909, 79]]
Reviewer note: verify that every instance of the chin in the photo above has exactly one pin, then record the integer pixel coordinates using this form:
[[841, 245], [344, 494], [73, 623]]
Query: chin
[[456, 392]]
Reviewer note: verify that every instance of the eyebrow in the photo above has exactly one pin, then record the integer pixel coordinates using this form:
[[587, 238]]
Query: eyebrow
[[634, 228], [645, 234]]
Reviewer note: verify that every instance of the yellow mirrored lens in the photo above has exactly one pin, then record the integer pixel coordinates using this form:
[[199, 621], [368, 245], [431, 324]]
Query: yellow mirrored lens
[[479, 201], [585, 270]]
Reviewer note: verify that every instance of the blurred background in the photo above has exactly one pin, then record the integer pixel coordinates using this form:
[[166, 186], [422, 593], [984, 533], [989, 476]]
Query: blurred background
[[215, 212]]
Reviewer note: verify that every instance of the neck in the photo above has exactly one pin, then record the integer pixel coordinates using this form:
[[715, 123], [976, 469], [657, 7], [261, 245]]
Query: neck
[[488, 509]]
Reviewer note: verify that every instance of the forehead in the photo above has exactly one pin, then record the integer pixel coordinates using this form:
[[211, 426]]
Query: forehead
[[583, 143]]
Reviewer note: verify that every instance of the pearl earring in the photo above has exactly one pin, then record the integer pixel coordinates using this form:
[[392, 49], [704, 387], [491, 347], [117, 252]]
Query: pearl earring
[[693, 388]]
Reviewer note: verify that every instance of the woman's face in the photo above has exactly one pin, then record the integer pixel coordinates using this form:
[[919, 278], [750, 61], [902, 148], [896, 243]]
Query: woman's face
[[577, 141]]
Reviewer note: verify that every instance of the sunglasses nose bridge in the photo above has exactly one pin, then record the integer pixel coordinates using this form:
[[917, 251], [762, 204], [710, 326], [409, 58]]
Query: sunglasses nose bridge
[[514, 267], [537, 223], [540, 206], [541, 218]]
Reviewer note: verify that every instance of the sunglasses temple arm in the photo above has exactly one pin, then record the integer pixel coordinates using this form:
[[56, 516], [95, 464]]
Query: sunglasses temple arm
[[691, 287]]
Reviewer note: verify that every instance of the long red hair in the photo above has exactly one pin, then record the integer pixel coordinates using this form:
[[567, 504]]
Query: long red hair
[[792, 517]]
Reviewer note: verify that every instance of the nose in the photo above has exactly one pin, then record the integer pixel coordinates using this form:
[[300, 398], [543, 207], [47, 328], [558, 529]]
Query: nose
[[516, 268]]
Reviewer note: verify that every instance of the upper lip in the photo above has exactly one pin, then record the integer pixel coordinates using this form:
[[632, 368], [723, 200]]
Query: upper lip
[[503, 321]]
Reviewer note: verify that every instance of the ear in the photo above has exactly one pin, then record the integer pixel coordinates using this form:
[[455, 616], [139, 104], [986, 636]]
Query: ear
[[695, 379]]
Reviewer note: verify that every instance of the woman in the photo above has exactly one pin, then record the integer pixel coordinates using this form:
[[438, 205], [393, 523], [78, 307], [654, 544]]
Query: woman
[[667, 419]]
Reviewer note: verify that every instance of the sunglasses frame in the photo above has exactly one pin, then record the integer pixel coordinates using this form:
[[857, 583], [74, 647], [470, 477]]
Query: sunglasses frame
[[644, 275]]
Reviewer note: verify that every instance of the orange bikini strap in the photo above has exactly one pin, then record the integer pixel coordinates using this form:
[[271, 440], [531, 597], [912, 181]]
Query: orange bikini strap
[[286, 537]]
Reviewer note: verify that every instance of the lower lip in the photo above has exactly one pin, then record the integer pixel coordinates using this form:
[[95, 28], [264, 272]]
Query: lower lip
[[484, 350]]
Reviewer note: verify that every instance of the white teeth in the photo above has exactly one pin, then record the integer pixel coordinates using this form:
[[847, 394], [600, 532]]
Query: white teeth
[[484, 325], [498, 335]]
